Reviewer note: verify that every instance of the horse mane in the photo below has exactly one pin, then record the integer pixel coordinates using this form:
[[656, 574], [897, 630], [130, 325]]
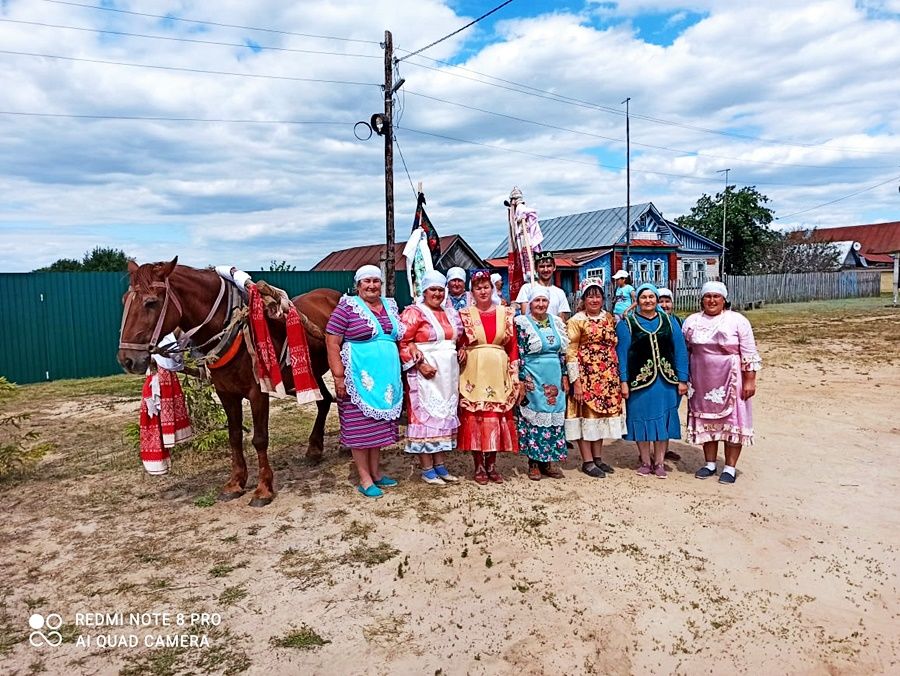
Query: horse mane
[[149, 274]]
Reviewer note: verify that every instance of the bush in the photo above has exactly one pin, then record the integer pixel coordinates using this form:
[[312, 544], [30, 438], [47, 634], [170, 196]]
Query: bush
[[19, 449]]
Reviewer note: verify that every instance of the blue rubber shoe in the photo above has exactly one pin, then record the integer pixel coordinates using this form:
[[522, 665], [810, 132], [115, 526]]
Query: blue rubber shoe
[[386, 482], [371, 491]]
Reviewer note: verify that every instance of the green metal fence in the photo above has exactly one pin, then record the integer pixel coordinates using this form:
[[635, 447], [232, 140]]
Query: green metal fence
[[56, 325]]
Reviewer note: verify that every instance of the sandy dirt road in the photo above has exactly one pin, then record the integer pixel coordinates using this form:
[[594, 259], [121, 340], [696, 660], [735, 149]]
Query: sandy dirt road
[[792, 570]]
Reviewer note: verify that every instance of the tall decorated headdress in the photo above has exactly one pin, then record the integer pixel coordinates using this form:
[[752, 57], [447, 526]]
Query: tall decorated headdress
[[525, 239]]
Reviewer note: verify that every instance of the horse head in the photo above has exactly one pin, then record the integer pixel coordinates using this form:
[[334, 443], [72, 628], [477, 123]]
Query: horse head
[[151, 312]]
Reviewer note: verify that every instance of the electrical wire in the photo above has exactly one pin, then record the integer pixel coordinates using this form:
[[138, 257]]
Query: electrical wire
[[458, 30], [167, 17], [190, 70], [170, 38], [405, 168], [636, 143], [839, 199], [155, 118], [528, 90]]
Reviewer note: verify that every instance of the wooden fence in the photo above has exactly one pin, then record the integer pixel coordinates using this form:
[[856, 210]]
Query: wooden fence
[[746, 292]]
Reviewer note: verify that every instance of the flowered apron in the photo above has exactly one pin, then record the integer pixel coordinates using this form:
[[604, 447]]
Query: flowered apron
[[372, 367], [487, 378], [439, 395], [714, 388], [543, 374]]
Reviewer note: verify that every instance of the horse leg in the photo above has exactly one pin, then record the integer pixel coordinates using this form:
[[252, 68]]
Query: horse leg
[[317, 436], [233, 405], [259, 406]]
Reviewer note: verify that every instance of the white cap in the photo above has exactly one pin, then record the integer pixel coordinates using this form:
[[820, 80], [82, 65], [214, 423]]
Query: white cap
[[456, 273], [433, 278], [538, 291], [714, 287], [663, 291], [368, 272], [621, 274], [496, 277]]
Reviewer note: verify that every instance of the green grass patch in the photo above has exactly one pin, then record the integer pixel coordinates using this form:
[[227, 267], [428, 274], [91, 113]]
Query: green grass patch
[[232, 595], [304, 638], [125, 385]]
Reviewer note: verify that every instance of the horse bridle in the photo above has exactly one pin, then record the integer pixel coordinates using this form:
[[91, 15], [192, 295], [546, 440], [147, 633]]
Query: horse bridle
[[152, 346]]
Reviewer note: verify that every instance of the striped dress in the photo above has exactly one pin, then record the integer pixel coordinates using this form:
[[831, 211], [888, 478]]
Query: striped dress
[[358, 430]]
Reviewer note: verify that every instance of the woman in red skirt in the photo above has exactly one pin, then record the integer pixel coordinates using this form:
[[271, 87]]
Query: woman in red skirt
[[489, 386]]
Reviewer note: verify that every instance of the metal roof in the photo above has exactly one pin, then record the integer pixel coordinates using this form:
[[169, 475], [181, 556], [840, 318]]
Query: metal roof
[[370, 254], [876, 238], [691, 240], [588, 230]]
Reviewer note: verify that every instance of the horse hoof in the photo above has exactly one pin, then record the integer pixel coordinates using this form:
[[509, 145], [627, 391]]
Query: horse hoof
[[261, 502], [226, 497]]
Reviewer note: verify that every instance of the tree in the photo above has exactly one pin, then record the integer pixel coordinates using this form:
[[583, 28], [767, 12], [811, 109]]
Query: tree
[[283, 266], [795, 251], [747, 233], [100, 259]]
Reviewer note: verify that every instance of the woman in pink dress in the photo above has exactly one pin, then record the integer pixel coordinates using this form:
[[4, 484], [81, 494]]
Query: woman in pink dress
[[429, 356], [723, 366]]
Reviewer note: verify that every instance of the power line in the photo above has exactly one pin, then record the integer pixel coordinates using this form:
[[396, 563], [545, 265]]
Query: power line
[[167, 17], [188, 70], [529, 90], [190, 40], [645, 145], [405, 168], [839, 199], [156, 118], [458, 30]]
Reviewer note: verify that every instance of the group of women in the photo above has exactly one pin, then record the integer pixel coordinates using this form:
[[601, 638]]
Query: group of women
[[481, 380]]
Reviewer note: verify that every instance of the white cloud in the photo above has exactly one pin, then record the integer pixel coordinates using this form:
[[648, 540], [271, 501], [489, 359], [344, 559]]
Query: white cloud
[[819, 75]]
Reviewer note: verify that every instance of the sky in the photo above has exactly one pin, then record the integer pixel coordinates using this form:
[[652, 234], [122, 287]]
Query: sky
[[223, 132]]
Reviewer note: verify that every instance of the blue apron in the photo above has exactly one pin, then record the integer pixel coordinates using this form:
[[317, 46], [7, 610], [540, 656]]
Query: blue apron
[[544, 372], [372, 367]]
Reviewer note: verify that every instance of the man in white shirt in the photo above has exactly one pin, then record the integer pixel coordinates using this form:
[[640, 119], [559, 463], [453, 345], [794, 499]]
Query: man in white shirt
[[546, 266]]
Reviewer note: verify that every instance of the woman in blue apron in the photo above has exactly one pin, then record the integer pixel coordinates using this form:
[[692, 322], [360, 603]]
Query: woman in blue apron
[[541, 417], [362, 339]]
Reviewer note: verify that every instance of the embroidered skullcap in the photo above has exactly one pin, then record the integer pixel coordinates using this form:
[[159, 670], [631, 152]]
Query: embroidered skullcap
[[620, 274], [538, 291], [647, 286], [543, 256], [456, 273], [479, 273], [588, 283], [714, 287], [496, 277], [368, 272], [432, 279], [663, 291]]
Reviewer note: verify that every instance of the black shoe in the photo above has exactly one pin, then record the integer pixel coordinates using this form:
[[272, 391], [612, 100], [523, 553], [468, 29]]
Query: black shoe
[[704, 473], [603, 466], [726, 478], [592, 470]]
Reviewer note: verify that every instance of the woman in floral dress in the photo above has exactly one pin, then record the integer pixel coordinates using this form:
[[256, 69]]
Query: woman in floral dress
[[542, 343], [594, 411]]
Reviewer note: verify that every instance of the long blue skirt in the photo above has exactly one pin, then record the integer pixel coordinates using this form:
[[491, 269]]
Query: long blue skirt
[[651, 413]]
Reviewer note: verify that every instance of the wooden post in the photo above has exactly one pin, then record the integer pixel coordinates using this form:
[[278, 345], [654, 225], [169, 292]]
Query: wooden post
[[389, 266], [896, 274]]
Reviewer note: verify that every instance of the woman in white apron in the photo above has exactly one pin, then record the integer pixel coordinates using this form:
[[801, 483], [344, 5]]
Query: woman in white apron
[[429, 356]]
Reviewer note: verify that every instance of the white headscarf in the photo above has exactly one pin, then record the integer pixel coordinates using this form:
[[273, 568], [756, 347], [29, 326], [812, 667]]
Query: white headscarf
[[538, 291], [496, 277], [368, 272], [663, 291], [456, 273], [433, 278], [714, 287]]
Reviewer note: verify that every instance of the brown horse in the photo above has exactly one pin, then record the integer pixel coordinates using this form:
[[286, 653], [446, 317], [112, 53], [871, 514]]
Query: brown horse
[[166, 296]]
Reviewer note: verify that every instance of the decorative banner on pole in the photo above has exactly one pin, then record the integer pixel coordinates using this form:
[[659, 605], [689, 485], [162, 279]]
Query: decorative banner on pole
[[525, 239], [422, 249]]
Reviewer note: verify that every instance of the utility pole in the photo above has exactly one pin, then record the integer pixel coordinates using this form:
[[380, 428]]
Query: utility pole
[[724, 213], [389, 275], [627, 183]]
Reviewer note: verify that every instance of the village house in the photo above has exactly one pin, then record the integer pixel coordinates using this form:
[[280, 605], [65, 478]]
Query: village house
[[455, 251], [593, 244]]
